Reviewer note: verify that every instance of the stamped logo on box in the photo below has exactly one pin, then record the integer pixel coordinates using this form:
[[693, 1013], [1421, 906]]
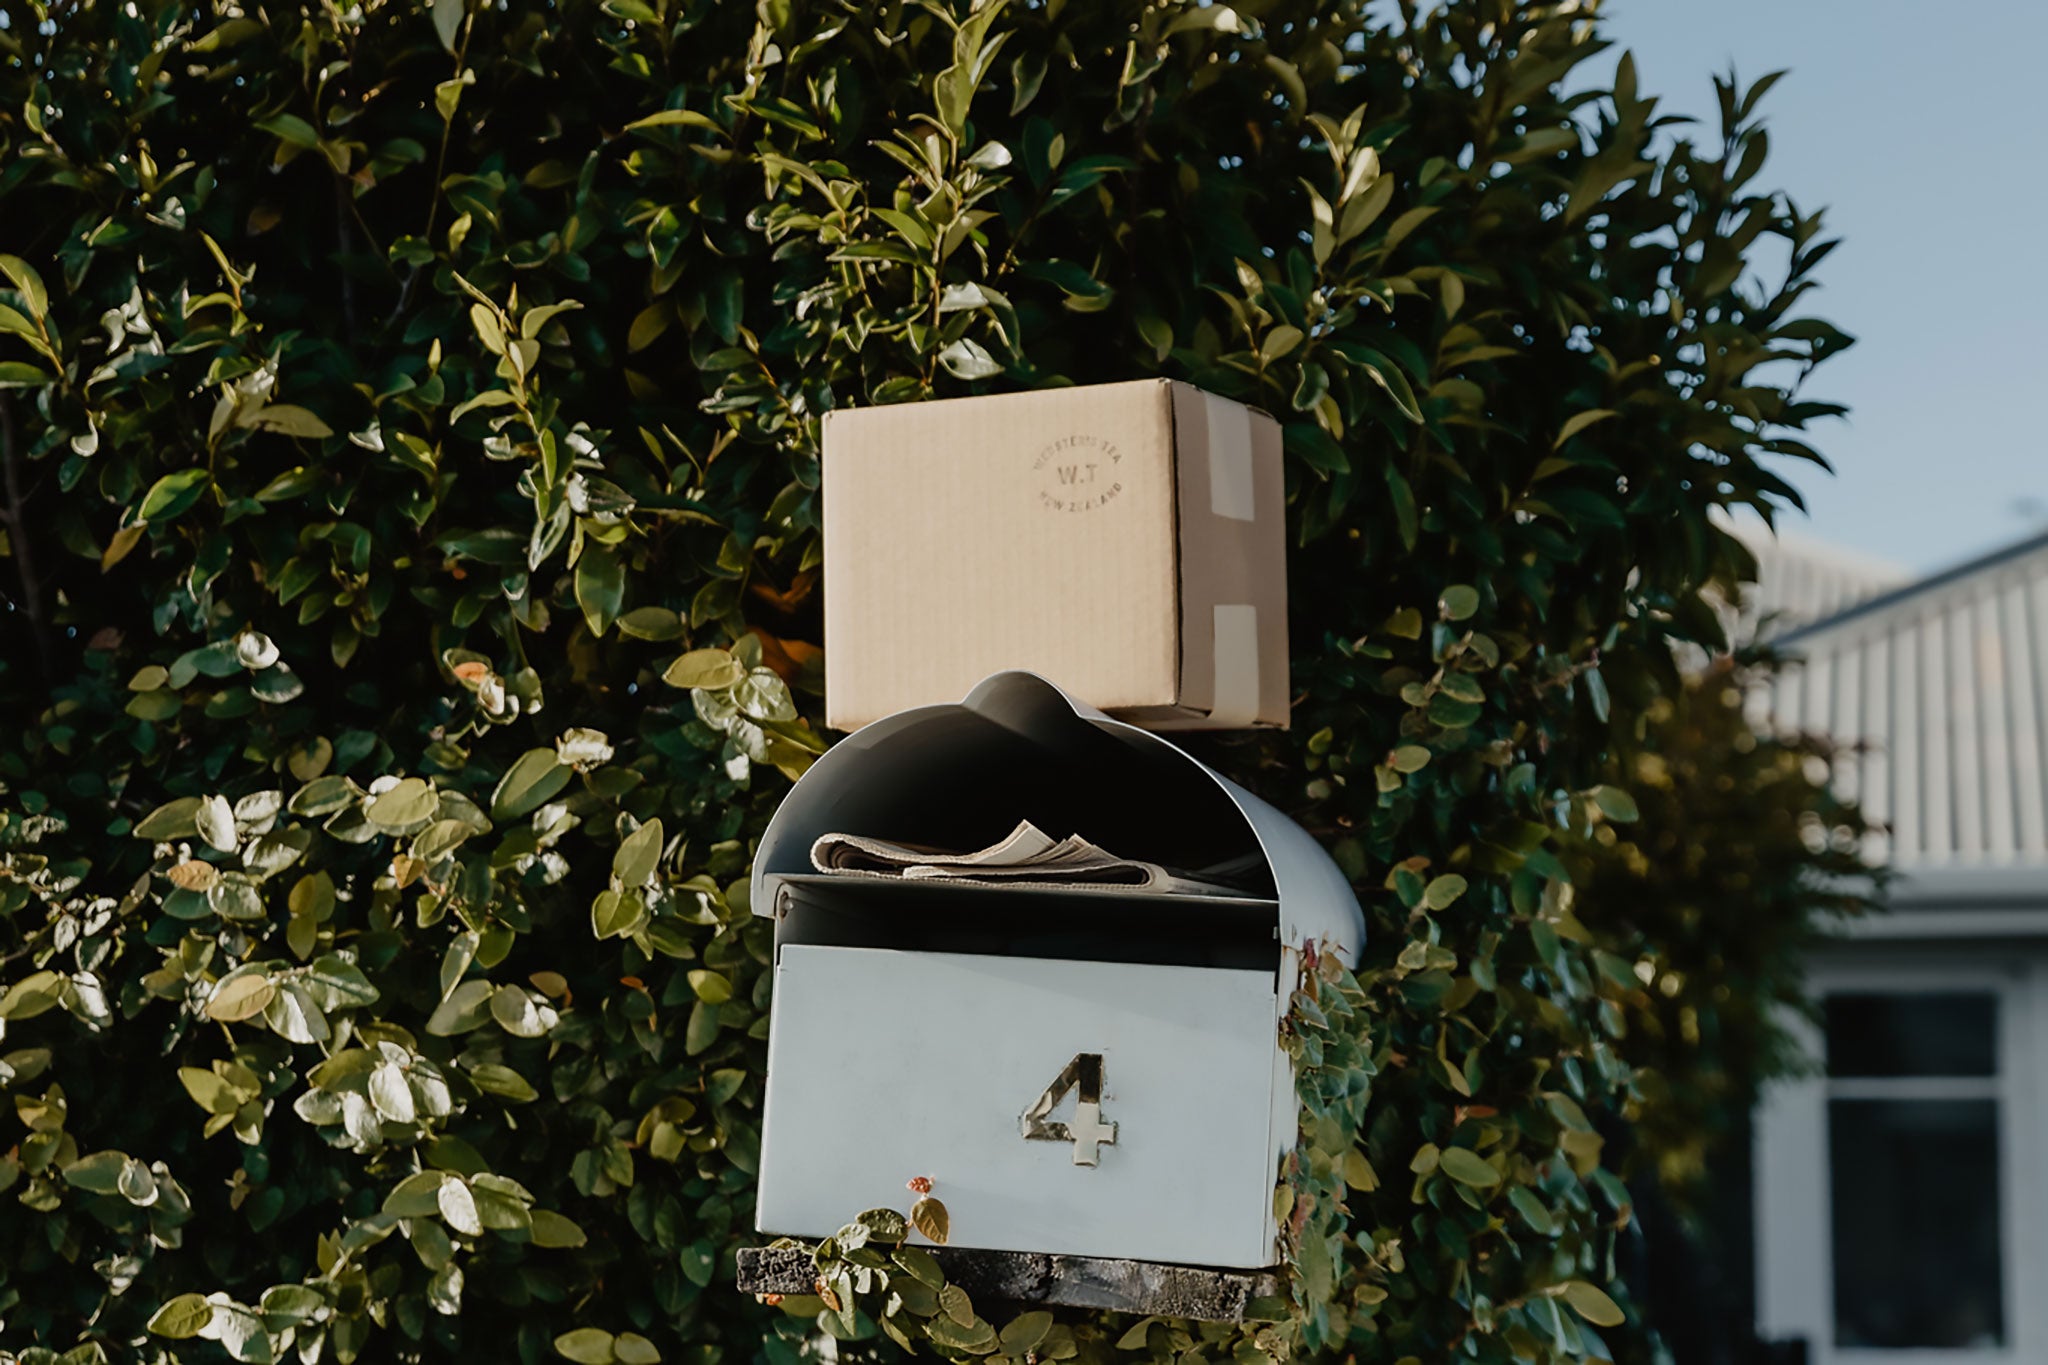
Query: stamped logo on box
[[1077, 473]]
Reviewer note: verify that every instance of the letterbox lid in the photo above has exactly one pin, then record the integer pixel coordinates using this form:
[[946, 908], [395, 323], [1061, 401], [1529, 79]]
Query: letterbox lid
[[894, 755]]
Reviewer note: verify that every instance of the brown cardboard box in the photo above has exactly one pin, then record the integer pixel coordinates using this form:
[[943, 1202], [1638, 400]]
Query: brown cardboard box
[[1123, 540]]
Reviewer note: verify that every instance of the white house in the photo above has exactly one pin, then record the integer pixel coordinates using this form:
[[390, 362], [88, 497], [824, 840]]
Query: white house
[[1901, 1196]]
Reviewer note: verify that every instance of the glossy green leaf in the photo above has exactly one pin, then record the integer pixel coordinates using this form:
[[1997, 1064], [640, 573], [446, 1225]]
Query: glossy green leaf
[[1616, 804], [1592, 1303], [587, 1346], [181, 1318], [1467, 1167], [709, 668], [172, 494], [408, 803], [533, 780], [635, 861]]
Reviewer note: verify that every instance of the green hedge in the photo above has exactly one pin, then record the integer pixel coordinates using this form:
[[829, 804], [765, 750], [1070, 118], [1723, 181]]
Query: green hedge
[[397, 400]]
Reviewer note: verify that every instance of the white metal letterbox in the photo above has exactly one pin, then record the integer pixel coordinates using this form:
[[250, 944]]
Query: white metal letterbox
[[1088, 1072]]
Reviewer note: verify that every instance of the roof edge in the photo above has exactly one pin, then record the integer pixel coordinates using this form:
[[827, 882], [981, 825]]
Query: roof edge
[[1942, 578]]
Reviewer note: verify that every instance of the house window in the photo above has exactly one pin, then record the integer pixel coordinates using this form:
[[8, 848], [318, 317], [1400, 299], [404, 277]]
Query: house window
[[1913, 1125]]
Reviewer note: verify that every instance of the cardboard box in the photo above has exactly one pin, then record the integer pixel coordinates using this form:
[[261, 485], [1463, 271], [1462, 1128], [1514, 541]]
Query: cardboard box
[[1125, 541]]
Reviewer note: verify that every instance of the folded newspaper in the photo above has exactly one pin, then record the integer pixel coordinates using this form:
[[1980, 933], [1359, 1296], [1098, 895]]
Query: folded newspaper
[[1026, 857]]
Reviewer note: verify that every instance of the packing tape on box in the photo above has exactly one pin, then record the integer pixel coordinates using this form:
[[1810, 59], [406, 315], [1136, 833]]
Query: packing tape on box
[[1237, 665], [1230, 458]]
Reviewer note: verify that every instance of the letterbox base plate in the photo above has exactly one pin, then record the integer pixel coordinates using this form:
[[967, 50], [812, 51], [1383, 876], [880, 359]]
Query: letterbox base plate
[[1142, 1287]]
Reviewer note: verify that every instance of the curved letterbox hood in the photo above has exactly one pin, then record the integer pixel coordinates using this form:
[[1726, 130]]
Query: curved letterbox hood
[[961, 774]]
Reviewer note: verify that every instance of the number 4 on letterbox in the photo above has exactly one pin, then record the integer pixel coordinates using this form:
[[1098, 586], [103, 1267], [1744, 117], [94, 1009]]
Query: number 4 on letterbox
[[1090, 1072]]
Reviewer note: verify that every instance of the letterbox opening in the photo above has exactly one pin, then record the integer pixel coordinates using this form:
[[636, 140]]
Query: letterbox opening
[[1187, 931], [961, 776], [967, 780]]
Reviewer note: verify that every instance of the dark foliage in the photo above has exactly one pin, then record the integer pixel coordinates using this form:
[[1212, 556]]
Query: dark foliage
[[393, 395]]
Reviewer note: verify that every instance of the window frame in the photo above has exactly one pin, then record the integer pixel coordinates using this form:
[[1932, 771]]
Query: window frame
[[1793, 1186]]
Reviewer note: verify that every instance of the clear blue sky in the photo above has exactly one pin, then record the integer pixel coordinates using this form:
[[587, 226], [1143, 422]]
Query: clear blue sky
[[1923, 131]]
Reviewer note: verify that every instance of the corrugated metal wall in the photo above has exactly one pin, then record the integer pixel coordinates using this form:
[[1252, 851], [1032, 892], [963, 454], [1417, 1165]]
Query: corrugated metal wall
[[1946, 682]]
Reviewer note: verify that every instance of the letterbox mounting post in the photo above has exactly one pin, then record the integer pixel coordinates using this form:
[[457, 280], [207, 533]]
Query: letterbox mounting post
[[1141, 1287]]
